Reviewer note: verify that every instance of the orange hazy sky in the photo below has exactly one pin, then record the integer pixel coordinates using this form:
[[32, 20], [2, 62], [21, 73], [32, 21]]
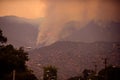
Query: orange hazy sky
[[22, 8], [41, 8], [58, 12]]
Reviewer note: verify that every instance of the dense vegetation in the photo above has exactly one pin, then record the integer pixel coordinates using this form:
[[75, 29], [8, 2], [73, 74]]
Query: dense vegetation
[[108, 73], [13, 60], [50, 73]]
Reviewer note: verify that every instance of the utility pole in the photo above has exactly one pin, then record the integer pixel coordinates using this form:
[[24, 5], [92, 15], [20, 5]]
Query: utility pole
[[14, 74], [105, 62], [105, 65], [95, 67]]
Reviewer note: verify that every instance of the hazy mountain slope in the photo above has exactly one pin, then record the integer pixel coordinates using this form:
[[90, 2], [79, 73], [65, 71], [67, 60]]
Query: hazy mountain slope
[[24, 32], [72, 57], [94, 31], [19, 31]]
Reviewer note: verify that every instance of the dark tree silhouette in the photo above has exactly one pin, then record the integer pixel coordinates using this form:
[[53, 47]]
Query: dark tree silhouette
[[2, 38], [110, 73], [13, 59], [88, 74], [50, 73], [76, 78]]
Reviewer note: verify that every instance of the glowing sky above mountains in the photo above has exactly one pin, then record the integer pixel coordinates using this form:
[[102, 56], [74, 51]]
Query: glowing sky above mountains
[[75, 8], [22, 8], [60, 12], [57, 13]]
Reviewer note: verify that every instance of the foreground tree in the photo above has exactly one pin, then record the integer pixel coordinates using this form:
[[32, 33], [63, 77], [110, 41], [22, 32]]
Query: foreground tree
[[88, 74], [50, 73], [12, 59], [110, 73], [76, 78], [2, 38]]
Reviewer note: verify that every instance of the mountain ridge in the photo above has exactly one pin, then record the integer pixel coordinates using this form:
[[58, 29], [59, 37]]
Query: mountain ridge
[[73, 57], [95, 31], [21, 32]]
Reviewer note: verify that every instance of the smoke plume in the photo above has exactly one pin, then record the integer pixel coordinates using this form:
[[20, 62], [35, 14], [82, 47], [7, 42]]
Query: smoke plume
[[61, 12]]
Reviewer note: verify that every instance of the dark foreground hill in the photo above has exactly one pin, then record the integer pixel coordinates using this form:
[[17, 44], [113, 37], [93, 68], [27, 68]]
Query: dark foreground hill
[[71, 58]]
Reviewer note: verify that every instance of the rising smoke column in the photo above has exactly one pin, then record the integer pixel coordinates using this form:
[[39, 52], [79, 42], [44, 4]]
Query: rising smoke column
[[60, 12]]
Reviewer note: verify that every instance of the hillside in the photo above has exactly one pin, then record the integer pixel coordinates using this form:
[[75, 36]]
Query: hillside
[[73, 57], [20, 31], [93, 31]]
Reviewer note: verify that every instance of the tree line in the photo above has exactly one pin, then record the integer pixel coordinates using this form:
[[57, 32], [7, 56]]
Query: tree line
[[12, 62]]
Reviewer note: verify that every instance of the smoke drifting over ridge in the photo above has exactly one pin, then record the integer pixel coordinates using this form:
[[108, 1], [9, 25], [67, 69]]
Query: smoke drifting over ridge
[[60, 12]]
